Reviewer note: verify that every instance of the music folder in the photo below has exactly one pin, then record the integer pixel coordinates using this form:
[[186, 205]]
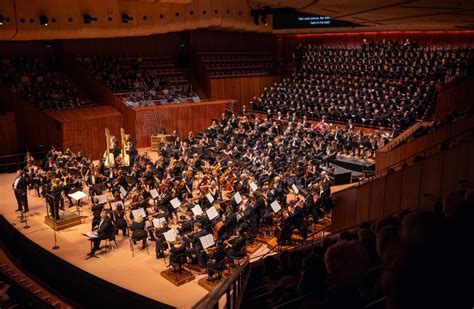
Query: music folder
[[154, 194], [114, 205], [253, 186], [197, 210], [158, 222], [90, 234], [102, 199], [237, 198], [207, 241], [170, 235], [139, 212], [77, 195], [175, 202], [295, 188], [210, 198], [275, 206], [212, 213]]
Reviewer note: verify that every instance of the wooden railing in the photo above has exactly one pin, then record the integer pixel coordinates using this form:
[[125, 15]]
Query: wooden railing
[[231, 289], [415, 183]]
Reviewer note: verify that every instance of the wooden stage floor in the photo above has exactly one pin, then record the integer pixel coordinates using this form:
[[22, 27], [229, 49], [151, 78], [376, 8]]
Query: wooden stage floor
[[140, 274]]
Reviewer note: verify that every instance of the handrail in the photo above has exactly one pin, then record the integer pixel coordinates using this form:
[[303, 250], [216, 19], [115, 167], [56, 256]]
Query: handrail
[[406, 134], [233, 286], [385, 171]]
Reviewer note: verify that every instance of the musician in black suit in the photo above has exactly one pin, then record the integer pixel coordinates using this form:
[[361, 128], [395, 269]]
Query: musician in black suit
[[105, 230], [19, 186]]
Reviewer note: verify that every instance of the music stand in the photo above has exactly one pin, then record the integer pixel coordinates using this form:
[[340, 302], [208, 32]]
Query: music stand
[[23, 215], [53, 199], [78, 195], [91, 236]]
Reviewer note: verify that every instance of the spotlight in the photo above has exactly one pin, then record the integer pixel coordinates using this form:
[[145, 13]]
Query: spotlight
[[2, 20], [43, 20], [126, 18], [88, 19], [264, 19]]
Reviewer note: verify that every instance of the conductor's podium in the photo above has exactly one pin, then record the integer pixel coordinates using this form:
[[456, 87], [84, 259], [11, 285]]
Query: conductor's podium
[[156, 139], [67, 219]]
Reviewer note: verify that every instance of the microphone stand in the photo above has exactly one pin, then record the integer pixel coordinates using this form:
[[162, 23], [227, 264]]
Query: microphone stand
[[53, 199], [23, 216]]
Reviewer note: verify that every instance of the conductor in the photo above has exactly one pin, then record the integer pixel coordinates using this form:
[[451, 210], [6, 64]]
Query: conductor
[[19, 187]]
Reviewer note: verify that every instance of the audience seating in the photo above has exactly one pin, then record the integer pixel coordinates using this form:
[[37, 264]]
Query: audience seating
[[42, 82], [141, 81]]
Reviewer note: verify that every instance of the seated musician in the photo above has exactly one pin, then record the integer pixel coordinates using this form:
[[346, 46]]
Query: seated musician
[[138, 231], [238, 248], [216, 261], [161, 245], [295, 220], [104, 231], [195, 252], [119, 220], [230, 224], [96, 211], [177, 253]]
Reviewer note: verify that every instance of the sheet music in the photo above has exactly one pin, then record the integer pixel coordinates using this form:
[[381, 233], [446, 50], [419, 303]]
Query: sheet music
[[212, 213], [158, 222], [114, 205], [207, 241], [123, 191], [102, 199], [77, 195], [210, 198], [197, 210], [139, 212], [275, 206], [170, 235], [253, 186], [154, 193], [175, 202], [295, 188], [90, 234], [237, 198]]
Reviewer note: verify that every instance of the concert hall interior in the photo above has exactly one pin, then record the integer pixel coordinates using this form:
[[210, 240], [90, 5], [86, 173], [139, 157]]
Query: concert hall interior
[[236, 154]]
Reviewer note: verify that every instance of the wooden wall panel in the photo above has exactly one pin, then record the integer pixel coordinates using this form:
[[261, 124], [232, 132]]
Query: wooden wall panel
[[180, 117], [84, 129], [35, 129], [411, 186], [8, 138], [393, 193], [344, 213], [242, 89], [455, 167], [377, 194], [430, 181], [363, 203]]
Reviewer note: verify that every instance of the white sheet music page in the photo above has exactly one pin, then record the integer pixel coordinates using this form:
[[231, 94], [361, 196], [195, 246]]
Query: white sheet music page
[[207, 241], [197, 210], [275, 206], [175, 202], [212, 213]]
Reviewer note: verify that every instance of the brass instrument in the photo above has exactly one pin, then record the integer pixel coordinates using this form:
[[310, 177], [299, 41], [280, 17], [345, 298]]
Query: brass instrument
[[108, 156]]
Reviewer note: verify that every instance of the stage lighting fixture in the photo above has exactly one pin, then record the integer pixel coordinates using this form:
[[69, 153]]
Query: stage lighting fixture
[[264, 19], [2, 19], [88, 19], [43, 19], [126, 18]]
